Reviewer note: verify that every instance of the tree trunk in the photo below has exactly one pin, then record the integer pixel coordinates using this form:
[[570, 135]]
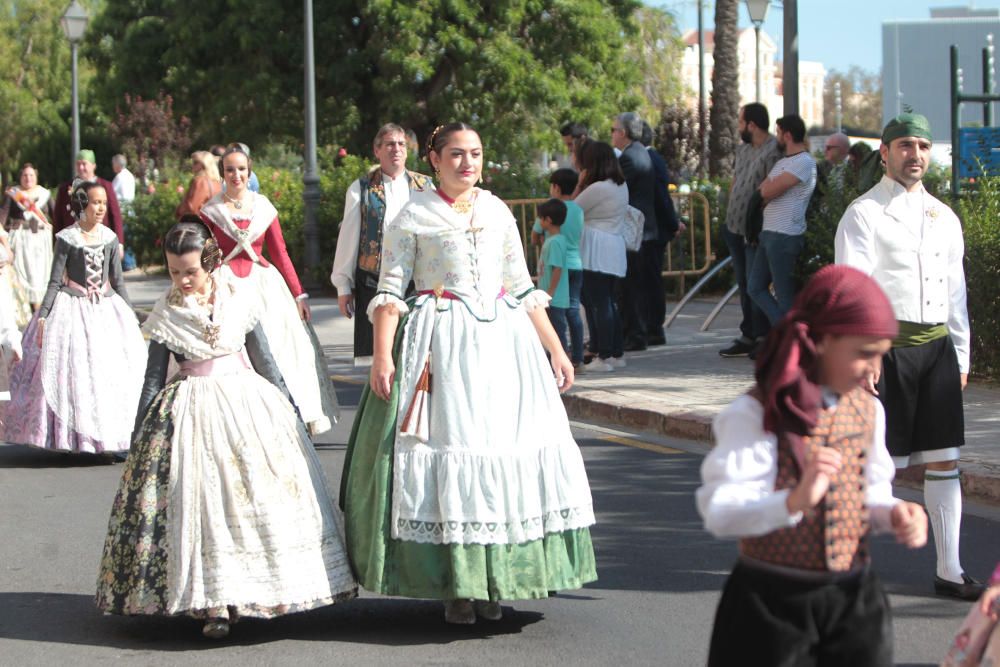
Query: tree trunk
[[724, 115]]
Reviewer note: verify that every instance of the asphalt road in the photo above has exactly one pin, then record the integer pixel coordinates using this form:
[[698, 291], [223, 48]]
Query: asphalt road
[[660, 577]]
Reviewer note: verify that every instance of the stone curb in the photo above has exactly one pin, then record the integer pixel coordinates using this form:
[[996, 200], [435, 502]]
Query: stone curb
[[980, 481]]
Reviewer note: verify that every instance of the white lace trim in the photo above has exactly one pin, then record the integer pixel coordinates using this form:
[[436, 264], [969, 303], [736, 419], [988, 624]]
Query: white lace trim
[[385, 299], [536, 299], [478, 532]]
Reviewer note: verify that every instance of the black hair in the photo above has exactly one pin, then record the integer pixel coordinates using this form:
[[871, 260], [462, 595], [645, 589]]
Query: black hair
[[647, 135], [193, 235], [79, 197], [237, 148], [565, 179], [439, 137], [794, 125], [554, 210], [599, 161], [575, 130], [756, 113]]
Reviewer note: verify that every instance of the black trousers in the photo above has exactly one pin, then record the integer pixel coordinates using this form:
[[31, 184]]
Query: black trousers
[[921, 390], [770, 619], [651, 254], [365, 287]]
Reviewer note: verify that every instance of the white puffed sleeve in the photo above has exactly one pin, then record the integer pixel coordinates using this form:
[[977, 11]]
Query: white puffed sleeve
[[399, 251], [879, 471], [516, 278], [737, 496]]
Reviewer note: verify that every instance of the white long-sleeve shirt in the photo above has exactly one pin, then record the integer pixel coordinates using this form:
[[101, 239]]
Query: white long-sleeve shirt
[[345, 261], [737, 497], [912, 245]]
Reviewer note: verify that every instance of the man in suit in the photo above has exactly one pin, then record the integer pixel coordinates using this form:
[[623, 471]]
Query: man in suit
[[668, 225], [639, 289], [86, 164]]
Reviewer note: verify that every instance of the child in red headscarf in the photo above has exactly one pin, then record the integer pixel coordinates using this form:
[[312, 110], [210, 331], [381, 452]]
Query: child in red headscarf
[[801, 475]]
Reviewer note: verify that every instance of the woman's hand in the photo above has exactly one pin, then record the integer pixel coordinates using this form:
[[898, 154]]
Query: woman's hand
[[304, 311], [562, 368], [989, 603], [382, 375]]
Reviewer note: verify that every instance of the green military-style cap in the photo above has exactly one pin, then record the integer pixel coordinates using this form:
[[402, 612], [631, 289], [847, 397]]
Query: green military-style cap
[[907, 125], [88, 155]]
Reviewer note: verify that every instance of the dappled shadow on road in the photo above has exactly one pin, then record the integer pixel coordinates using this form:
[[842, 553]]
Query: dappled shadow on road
[[648, 535], [72, 619], [20, 456]]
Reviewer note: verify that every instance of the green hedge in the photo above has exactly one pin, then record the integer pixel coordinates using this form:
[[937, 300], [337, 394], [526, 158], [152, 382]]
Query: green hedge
[[980, 213]]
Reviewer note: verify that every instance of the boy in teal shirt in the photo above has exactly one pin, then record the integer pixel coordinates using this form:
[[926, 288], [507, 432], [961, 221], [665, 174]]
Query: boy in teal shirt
[[554, 278], [562, 183]]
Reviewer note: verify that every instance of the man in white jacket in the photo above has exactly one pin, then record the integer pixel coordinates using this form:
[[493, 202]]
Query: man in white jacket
[[912, 245]]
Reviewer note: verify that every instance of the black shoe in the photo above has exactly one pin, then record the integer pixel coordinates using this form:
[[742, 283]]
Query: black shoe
[[653, 341], [634, 346], [757, 349], [737, 349], [969, 589]]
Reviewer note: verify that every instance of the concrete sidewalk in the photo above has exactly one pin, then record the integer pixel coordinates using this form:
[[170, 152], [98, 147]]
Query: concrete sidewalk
[[675, 389]]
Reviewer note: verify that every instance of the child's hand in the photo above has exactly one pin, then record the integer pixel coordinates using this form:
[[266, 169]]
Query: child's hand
[[815, 480], [990, 602], [909, 523]]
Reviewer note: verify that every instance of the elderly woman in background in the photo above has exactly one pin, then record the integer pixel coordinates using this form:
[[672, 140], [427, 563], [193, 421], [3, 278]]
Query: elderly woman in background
[[206, 184]]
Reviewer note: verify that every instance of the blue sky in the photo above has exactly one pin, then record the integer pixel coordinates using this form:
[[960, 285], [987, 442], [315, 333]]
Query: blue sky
[[838, 33]]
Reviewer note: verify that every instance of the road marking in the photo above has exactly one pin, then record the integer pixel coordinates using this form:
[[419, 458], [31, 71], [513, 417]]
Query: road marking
[[613, 436], [639, 444], [349, 379]]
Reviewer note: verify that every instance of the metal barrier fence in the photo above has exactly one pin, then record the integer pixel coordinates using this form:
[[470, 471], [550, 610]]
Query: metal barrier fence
[[686, 256]]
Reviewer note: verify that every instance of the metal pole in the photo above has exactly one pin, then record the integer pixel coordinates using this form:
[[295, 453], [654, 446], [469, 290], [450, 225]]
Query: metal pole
[[955, 149], [310, 179], [75, 139], [760, 87], [988, 64], [838, 104], [702, 115], [790, 72]]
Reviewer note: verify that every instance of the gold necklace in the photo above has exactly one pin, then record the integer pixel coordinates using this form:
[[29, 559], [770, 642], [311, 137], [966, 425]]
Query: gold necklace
[[237, 203]]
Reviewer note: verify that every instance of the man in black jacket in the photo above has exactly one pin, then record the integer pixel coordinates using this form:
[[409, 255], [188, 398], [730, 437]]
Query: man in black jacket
[[639, 288], [667, 227]]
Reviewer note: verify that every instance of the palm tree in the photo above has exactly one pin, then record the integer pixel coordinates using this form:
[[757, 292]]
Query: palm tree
[[724, 115]]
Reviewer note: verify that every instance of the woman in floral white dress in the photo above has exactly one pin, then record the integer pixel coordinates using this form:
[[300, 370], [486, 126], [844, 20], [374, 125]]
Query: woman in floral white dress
[[28, 211], [223, 509], [462, 480]]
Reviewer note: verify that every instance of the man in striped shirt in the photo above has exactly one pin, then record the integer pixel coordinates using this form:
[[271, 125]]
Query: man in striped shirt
[[786, 192]]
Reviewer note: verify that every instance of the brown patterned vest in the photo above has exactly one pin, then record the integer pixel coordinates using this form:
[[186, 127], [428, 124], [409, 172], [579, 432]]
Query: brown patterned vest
[[833, 535]]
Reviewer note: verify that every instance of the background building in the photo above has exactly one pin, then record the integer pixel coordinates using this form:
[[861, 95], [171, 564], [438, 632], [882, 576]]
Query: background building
[[916, 64], [811, 75]]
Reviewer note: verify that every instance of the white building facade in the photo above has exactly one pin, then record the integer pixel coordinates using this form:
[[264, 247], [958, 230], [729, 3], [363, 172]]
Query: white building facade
[[812, 75]]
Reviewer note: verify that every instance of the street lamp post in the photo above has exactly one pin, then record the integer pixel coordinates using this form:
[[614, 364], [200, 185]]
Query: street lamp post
[[310, 179], [838, 106], [74, 24], [758, 14], [790, 53]]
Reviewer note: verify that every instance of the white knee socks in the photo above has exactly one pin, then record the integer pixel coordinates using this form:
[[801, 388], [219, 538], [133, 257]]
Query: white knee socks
[[943, 497]]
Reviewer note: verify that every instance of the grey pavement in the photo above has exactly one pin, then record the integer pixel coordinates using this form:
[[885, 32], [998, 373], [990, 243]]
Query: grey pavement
[[660, 574]]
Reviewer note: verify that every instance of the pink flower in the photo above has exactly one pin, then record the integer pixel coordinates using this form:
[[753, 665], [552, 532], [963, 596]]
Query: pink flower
[[277, 194], [342, 152], [150, 189], [180, 189]]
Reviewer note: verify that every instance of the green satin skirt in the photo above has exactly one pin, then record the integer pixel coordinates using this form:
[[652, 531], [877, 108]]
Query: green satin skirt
[[535, 569]]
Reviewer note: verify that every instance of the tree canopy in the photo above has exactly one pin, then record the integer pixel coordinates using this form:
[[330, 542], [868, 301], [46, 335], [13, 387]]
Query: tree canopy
[[516, 69]]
